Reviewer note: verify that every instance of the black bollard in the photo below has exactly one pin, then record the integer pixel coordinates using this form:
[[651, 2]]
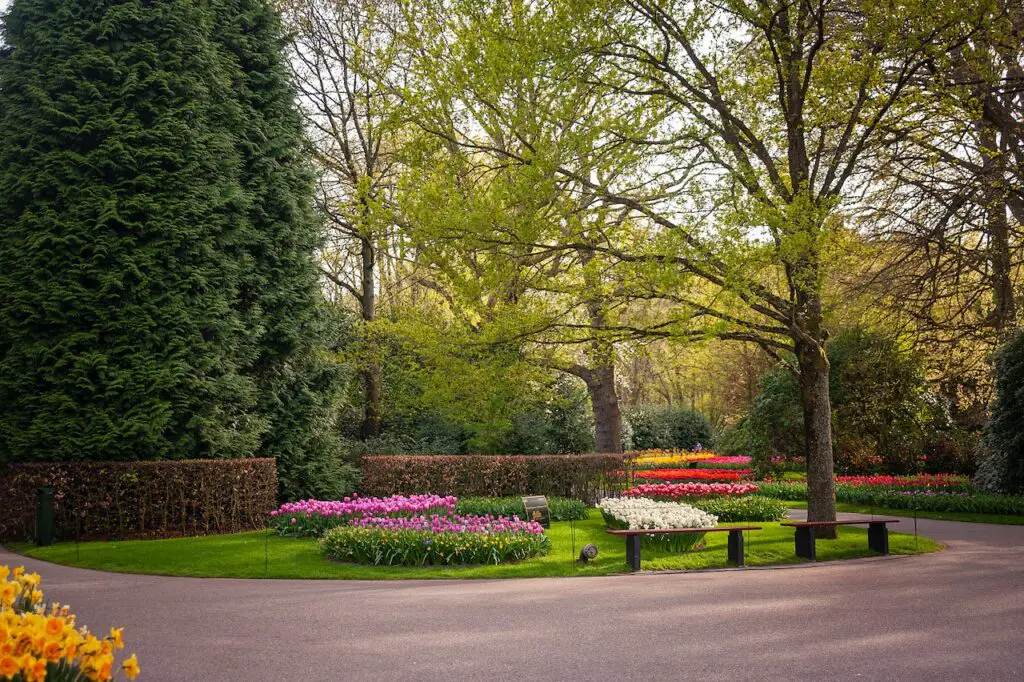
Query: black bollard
[[45, 517]]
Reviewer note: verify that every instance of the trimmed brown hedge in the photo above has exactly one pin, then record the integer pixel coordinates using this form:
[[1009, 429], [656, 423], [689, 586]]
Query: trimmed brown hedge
[[140, 499], [584, 477]]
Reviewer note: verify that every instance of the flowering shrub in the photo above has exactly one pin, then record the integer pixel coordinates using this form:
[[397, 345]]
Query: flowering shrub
[[422, 541], [693, 474], [315, 517], [635, 513], [677, 491], [41, 643], [561, 509]]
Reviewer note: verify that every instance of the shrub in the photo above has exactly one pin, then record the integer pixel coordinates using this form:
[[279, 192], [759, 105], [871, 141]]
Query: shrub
[[119, 499], [669, 428], [920, 500], [882, 412], [561, 508], [737, 509], [584, 477], [1002, 468], [435, 542], [560, 424]]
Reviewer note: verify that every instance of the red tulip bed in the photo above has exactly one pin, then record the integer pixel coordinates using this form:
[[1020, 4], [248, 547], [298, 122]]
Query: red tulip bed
[[924, 492], [719, 475]]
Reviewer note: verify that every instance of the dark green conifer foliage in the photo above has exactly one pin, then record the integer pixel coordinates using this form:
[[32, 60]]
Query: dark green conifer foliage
[[1002, 447], [280, 299], [158, 293], [118, 189]]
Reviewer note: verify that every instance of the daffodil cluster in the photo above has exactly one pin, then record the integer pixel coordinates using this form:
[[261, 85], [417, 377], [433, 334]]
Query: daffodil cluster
[[39, 642]]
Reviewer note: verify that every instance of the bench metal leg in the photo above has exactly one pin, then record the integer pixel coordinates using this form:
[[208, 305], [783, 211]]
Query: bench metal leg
[[878, 538], [805, 544], [633, 552], [736, 547]]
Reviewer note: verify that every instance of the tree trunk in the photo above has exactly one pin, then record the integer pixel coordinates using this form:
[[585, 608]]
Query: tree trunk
[[817, 408], [995, 197], [371, 370], [607, 417]]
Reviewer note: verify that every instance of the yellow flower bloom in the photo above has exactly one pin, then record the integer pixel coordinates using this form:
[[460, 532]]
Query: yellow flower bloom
[[5, 571], [131, 667], [117, 637], [54, 627], [8, 593], [9, 666]]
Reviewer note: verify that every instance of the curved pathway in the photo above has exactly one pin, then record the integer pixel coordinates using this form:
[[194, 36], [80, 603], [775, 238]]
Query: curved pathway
[[953, 615]]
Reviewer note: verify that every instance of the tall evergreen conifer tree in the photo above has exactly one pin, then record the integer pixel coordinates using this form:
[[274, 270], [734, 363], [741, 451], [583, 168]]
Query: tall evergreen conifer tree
[[279, 296], [157, 290], [118, 190]]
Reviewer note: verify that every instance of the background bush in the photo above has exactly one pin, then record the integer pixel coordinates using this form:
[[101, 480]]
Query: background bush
[[654, 427], [122, 499], [561, 508], [884, 417], [1002, 468], [583, 477]]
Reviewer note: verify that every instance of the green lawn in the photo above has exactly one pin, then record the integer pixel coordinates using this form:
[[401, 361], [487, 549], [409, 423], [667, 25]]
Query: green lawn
[[1005, 519], [264, 555]]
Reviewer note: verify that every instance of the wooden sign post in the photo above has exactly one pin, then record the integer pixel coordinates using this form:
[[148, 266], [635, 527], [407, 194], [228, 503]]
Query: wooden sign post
[[537, 510]]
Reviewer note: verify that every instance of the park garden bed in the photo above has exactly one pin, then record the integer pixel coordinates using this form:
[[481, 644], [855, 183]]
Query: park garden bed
[[266, 554]]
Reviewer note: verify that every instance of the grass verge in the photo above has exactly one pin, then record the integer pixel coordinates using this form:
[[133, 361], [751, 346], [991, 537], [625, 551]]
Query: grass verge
[[265, 555], [968, 517]]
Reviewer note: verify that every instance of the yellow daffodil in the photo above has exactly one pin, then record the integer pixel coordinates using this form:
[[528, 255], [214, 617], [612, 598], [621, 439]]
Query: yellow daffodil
[[117, 637], [131, 667]]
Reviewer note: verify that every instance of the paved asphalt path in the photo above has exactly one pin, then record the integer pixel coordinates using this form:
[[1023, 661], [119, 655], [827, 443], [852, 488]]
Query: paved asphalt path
[[954, 615]]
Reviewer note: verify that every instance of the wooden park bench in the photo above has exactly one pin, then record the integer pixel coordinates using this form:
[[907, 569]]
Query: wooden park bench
[[633, 541], [878, 534]]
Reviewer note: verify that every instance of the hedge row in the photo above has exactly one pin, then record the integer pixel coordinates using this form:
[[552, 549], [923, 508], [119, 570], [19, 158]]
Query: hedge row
[[582, 477], [140, 499], [937, 501]]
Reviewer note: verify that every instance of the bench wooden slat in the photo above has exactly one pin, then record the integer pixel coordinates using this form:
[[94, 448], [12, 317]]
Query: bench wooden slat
[[655, 531], [815, 524]]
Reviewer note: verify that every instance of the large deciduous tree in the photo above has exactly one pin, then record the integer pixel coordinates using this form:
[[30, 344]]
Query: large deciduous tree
[[744, 129]]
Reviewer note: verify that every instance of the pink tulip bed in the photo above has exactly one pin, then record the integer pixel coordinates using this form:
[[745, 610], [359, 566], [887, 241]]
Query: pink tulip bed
[[313, 518], [419, 530]]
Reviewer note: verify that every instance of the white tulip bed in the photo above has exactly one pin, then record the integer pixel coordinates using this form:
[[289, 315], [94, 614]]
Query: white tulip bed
[[636, 513]]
